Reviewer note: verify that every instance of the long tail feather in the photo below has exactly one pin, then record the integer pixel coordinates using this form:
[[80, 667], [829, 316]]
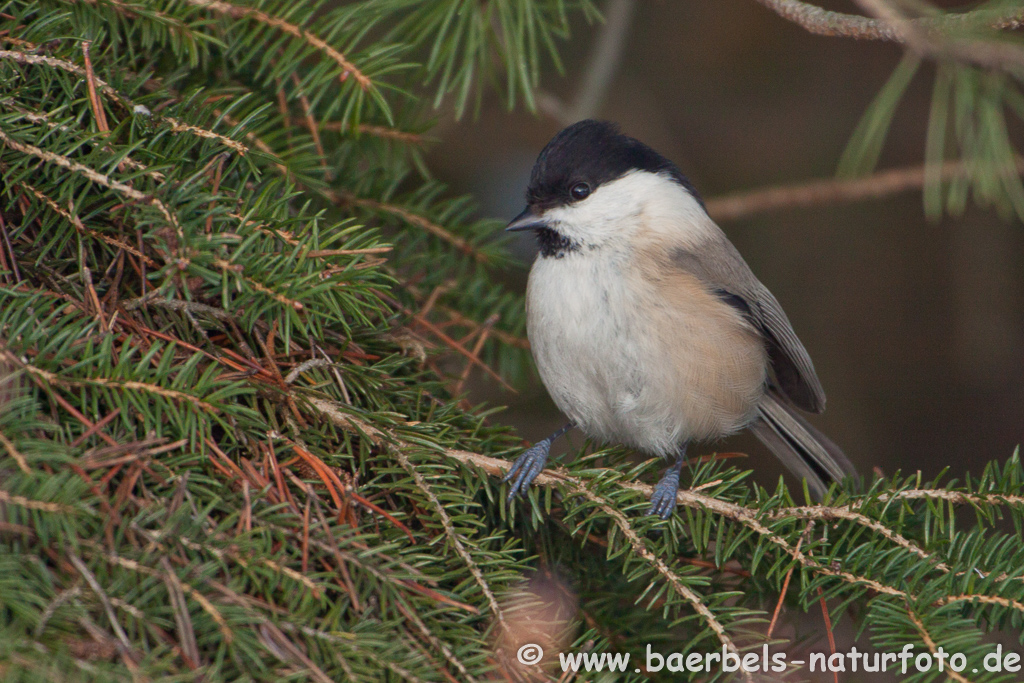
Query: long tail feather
[[804, 450]]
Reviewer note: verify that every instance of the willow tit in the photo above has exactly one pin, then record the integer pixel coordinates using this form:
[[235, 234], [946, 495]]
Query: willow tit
[[647, 326]]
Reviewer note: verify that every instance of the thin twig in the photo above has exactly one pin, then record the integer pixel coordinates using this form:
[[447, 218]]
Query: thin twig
[[305, 366], [53, 379], [333, 547], [236, 12], [213, 191], [456, 346], [990, 54], [436, 642], [695, 600], [10, 250], [691, 499], [203, 601], [15, 454], [484, 331], [827, 23], [229, 267], [822, 512], [28, 504], [411, 218], [94, 98], [106, 89], [927, 638], [828, 628], [831, 190], [453, 537], [782, 593], [502, 336], [112, 241], [44, 119], [312, 125], [94, 176], [956, 497], [335, 372], [90, 578], [983, 599], [182, 618], [383, 132]]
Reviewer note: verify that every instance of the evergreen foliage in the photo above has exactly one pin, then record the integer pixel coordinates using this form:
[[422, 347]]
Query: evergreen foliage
[[227, 448], [977, 99]]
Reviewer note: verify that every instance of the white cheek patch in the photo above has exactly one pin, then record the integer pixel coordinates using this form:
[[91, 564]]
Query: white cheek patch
[[639, 200]]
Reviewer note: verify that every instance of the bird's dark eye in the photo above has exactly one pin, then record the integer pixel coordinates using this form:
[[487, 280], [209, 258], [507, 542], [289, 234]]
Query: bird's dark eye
[[579, 191]]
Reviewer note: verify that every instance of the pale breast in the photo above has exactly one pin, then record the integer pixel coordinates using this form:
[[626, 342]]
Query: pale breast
[[578, 327], [646, 361]]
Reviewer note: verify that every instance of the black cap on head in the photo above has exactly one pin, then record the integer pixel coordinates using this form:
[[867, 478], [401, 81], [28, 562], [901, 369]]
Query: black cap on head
[[592, 152]]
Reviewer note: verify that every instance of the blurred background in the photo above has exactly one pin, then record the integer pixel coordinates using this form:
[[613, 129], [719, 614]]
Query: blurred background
[[916, 327]]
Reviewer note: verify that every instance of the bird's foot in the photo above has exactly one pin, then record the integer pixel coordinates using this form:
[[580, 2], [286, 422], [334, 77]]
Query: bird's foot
[[663, 500], [526, 468]]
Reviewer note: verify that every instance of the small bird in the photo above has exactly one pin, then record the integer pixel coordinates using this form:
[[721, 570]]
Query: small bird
[[647, 326]]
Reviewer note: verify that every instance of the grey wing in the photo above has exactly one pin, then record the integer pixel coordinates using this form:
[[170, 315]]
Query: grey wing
[[725, 272]]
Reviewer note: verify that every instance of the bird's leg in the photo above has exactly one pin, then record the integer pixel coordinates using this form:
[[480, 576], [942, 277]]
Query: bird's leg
[[663, 500], [528, 465]]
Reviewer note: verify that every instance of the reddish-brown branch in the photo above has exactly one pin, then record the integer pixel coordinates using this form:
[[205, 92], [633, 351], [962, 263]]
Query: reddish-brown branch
[[305, 538], [94, 98], [828, 628], [456, 346], [782, 594], [831, 191], [312, 125], [213, 191], [7, 243], [94, 428], [484, 331]]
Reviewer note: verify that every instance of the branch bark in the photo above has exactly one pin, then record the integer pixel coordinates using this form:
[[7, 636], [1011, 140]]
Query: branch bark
[[824, 22], [738, 205]]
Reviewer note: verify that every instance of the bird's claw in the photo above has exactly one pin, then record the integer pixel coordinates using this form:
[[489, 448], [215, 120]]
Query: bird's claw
[[663, 500], [526, 468]]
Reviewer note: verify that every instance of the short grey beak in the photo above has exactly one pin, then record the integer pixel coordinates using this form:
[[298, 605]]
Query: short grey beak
[[527, 220]]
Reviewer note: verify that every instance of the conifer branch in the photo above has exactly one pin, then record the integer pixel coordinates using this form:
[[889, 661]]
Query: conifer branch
[[828, 23], [127, 385], [454, 538], [104, 87], [695, 600], [29, 504], [236, 12], [196, 595], [15, 455], [746, 516], [260, 513], [383, 132], [930, 644], [984, 600], [990, 54], [92, 175], [46, 120], [413, 219], [825, 513]]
